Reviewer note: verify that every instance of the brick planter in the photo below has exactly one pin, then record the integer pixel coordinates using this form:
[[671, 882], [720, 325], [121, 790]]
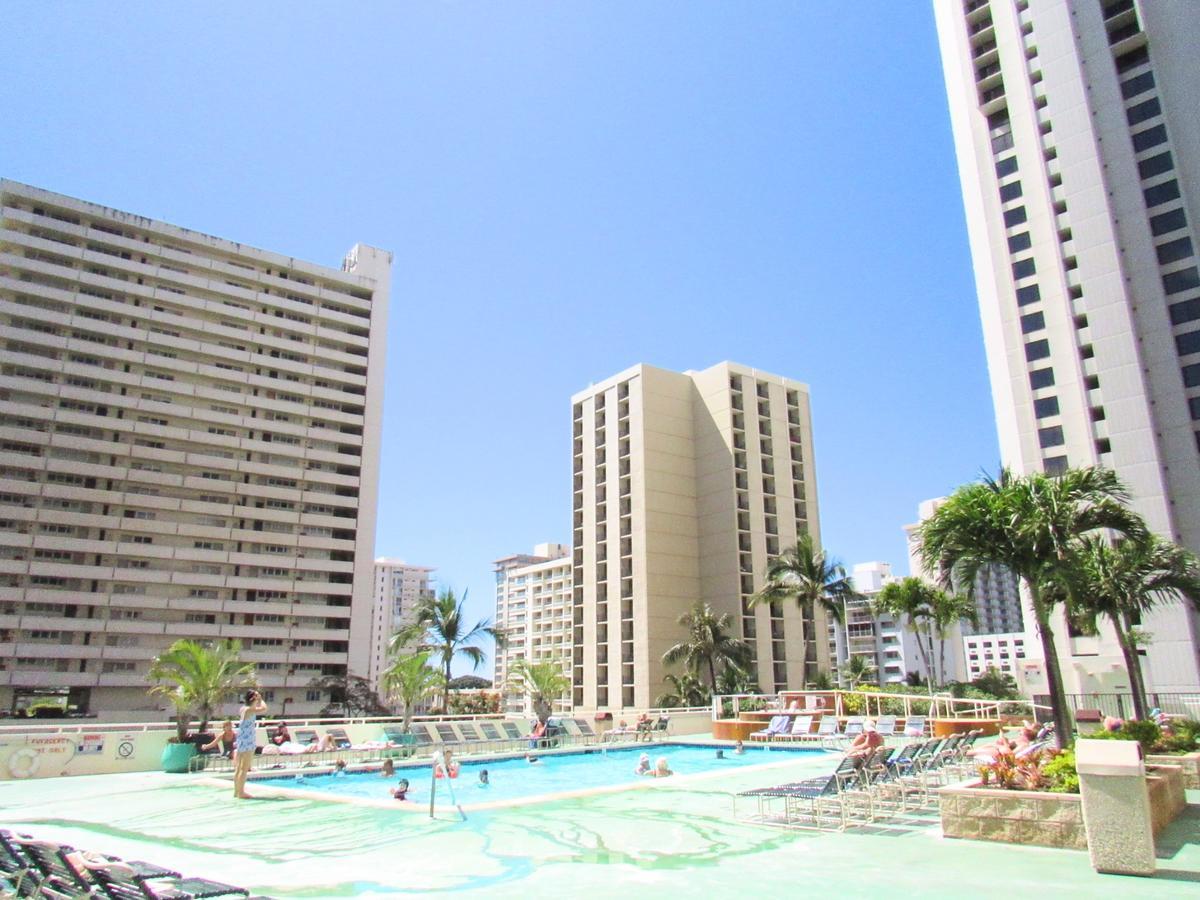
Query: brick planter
[[1188, 762], [1039, 817]]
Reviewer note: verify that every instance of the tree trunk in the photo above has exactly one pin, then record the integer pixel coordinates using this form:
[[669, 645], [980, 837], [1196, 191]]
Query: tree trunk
[[1063, 729], [406, 723], [712, 674], [941, 656], [1133, 665], [925, 654]]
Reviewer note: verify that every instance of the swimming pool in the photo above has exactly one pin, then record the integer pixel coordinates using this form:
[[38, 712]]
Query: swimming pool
[[553, 774]]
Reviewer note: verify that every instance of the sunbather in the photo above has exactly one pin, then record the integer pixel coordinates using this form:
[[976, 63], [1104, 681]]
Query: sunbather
[[866, 743], [222, 743]]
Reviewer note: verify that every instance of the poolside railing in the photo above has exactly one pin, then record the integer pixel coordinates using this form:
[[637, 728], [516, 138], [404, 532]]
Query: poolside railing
[[874, 703]]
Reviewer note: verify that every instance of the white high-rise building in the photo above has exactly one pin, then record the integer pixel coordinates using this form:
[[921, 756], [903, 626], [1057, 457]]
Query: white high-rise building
[[533, 615], [1079, 154], [685, 485], [399, 587], [189, 448], [883, 640]]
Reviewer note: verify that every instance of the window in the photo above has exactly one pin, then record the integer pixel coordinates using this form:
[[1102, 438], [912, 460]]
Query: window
[[1041, 378], [1133, 59], [1183, 280], [1104, 445], [1006, 166], [1037, 350], [1191, 375], [1172, 220], [1010, 191], [1139, 84], [1032, 322], [1161, 193], [1051, 437], [312, 696], [1175, 250], [1015, 216], [1155, 165], [1028, 294], [1185, 311], [1054, 465], [1188, 343], [1045, 407], [1151, 137], [1147, 109], [1194, 407], [1023, 268], [1019, 242]]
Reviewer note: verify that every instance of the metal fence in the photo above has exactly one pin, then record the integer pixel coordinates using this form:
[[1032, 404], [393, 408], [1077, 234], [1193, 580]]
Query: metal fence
[[1121, 705]]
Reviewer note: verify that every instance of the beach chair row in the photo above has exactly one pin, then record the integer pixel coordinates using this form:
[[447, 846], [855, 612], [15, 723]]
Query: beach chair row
[[33, 868], [647, 731], [863, 790], [799, 728]]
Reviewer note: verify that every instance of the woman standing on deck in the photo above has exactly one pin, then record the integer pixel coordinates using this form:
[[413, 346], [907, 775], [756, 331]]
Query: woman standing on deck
[[245, 743]]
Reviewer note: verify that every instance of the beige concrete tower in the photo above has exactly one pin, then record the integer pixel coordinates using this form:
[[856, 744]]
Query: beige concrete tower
[[399, 587], [685, 485], [1079, 154], [189, 447]]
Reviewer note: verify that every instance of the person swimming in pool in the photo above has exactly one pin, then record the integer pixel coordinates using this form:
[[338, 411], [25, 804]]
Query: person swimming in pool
[[400, 792], [643, 765], [483, 779], [388, 770], [738, 748]]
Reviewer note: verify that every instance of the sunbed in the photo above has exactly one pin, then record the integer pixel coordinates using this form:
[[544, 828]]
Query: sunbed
[[886, 726], [914, 726], [817, 801], [826, 728], [800, 727], [778, 725]]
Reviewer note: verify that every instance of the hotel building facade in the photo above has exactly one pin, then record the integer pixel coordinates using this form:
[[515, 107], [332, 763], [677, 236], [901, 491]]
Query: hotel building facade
[[685, 485], [399, 587], [1079, 156], [189, 448], [533, 615]]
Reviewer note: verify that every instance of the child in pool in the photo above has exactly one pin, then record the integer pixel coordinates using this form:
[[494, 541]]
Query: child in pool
[[388, 770], [643, 766], [483, 779], [400, 792]]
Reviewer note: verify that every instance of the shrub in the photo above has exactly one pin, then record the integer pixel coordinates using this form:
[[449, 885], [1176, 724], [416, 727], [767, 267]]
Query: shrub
[[1145, 732], [1043, 770], [1060, 770]]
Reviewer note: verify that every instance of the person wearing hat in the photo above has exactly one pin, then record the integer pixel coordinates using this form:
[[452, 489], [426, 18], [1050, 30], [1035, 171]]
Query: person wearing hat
[[866, 743]]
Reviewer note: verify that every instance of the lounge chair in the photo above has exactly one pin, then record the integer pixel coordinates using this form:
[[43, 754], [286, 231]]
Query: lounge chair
[[853, 728], [120, 882], [777, 726], [17, 870], [801, 725], [586, 731], [914, 726], [815, 800], [58, 875], [661, 728], [886, 726], [826, 729]]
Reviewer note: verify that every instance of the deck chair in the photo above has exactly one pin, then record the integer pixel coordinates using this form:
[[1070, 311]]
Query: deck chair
[[661, 727], [17, 869], [58, 876], [801, 725], [305, 736], [886, 726], [341, 740], [585, 730], [777, 726], [815, 800], [826, 728], [914, 726], [120, 882]]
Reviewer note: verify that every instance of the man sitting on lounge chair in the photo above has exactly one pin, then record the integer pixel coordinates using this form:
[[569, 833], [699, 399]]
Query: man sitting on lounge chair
[[866, 743]]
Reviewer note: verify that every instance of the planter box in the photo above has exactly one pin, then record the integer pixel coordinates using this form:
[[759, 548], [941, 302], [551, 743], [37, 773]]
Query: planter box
[[1039, 817], [1188, 762]]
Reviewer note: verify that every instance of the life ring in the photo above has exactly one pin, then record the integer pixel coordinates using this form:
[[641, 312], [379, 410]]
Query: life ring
[[441, 770], [24, 762]]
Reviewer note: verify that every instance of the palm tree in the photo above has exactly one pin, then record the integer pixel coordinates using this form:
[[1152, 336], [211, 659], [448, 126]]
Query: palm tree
[[856, 670], [707, 643], [195, 676], [543, 682], [1125, 581], [912, 599], [734, 680], [410, 679], [440, 626], [947, 610], [1031, 524], [685, 690], [805, 574]]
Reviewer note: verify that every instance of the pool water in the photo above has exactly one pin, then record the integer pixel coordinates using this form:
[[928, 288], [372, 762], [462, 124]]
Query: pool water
[[518, 779]]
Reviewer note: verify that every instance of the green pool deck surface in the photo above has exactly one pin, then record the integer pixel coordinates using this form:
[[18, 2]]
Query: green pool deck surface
[[663, 839]]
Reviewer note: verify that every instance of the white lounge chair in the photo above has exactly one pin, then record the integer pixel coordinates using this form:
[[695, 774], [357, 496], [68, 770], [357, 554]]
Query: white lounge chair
[[914, 726], [778, 725], [886, 726], [801, 725]]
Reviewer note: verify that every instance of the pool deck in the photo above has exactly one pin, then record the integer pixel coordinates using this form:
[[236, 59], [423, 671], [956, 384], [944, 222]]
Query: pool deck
[[646, 840]]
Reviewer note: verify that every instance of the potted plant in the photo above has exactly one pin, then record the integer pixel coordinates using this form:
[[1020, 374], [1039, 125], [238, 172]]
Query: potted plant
[[196, 677], [410, 680]]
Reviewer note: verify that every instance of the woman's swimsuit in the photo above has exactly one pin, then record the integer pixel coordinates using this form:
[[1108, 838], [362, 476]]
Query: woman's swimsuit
[[245, 740]]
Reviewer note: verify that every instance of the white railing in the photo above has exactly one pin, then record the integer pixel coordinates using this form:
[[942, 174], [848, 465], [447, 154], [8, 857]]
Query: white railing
[[874, 703]]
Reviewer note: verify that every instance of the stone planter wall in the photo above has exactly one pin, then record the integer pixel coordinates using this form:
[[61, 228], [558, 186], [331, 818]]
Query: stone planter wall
[[1189, 762], [1039, 817]]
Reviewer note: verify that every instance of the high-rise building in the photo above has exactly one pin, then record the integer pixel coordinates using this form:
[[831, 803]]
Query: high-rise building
[[1079, 155], [189, 448], [685, 485], [533, 616], [884, 641], [399, 587]]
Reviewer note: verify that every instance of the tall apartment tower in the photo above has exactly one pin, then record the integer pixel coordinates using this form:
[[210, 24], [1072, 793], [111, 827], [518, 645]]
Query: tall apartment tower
[[1079, 155], [189, 448], [533, 614], [884, 641], [399, 587], [685, 485]]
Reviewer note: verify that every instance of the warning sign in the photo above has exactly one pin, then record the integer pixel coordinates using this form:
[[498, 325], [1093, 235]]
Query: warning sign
[[90, 744]]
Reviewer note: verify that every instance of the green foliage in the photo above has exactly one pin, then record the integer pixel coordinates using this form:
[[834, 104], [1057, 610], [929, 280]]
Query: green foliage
[[684, 690], [476, 703], [410, 680], [1060, 769], [708, 645], [821, 682], [1042, 770], [469, 683], [853, 704], [991, 685], [442, 629], [349, 695], [195, 676], [1145, 732], [543, 682]]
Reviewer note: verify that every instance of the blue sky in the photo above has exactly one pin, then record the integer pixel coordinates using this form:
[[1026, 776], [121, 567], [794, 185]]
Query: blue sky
[[569, 189]]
